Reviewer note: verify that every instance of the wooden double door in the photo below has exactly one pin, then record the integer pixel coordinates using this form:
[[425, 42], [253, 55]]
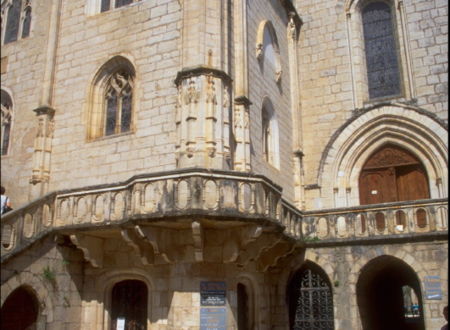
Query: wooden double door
[[392, 174]]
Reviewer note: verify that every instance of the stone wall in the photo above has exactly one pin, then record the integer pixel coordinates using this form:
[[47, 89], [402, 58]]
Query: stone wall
[[148, 35], [343, 266], [24, 63], [54, 274], [332, 69]]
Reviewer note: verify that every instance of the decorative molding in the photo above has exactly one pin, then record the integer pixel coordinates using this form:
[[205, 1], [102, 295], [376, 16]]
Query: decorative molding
[[200, 71]]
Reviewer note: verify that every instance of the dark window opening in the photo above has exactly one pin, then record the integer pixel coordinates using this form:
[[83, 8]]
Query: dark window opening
[[13, 21], [26, 23], [129, 305]]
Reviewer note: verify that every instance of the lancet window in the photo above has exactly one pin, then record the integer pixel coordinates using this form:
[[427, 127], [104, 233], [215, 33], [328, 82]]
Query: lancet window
[[17, 17], [383, 69], [112, 99], [6, 121]]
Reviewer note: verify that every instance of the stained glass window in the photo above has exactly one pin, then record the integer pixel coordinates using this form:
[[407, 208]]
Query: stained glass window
[[118, 103], [381, 51], [13, 21]]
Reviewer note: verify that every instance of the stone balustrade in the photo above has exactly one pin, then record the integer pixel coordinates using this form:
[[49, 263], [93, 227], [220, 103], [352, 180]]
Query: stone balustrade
[[171, 195], [377, 221], [212, 194]]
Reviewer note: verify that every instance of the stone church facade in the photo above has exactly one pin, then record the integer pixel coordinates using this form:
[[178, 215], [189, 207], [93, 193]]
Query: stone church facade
[[224, 164]]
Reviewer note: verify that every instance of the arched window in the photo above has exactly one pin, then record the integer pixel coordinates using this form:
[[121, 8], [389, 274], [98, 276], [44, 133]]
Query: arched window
[[392, 174], [267, 50], [18, 19], [310, 299], [20, 310], [6, 121], [383, 69], [129, 305], [270, 138], [111, 108]]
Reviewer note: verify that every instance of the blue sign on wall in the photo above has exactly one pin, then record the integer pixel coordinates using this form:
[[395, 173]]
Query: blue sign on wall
[[432, 285], [213, 293], [213, 318]]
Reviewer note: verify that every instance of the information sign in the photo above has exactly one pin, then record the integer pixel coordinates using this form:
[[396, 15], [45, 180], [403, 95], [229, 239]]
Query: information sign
[[432, 285], [213, 318], [213, 293]]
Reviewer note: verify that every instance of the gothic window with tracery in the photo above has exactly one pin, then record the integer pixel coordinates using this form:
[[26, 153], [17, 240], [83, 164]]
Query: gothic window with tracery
[[111, 99], [106, 5], [118, 99], [6, 120], [17, 14], [383, 70]]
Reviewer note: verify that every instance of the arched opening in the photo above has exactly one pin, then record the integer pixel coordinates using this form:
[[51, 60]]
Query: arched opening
[[129, 305], [243, 307], [20, 310], [310, 299], [270, 136], [389, 296], [392, 174]]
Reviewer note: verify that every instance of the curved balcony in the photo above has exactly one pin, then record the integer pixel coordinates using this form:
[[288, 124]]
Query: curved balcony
[[227, 197]]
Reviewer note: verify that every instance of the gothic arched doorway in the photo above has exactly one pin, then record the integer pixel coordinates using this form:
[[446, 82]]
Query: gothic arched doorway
[[392, 174], [20, 310], [388, 295], [310, 299]]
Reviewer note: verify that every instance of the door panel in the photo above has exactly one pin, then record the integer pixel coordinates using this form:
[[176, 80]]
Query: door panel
[[412, 183], [377, 186]]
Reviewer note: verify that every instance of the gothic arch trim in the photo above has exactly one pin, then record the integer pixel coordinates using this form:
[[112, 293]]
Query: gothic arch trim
[[95, 106], [37, 288], [105, 283], [410, 128], [296, 263], [263, 25]]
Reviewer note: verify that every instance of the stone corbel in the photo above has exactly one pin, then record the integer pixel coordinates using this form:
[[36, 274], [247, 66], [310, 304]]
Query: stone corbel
[[232, 248], [154, 237], [271, 256], [256, 247], [143, 249], [92, 248]]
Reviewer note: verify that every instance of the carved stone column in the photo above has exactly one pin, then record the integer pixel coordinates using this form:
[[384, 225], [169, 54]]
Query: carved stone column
[[241, 123], [203, 118], [293, 28], [42, 151]]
